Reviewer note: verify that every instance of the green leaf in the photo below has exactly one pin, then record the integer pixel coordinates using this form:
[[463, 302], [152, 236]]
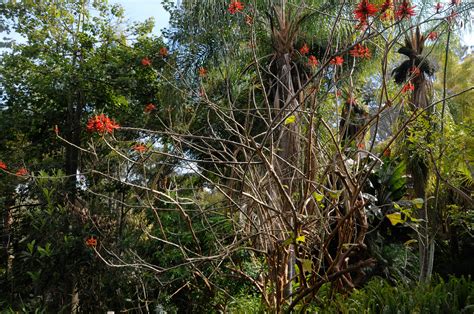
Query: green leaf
[[418, 202], [395, 218], [335, 194], [318, 197], [291, 119], [300, 239]]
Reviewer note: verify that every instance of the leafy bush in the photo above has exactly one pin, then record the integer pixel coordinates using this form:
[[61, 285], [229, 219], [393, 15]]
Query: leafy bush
[[453, 296]]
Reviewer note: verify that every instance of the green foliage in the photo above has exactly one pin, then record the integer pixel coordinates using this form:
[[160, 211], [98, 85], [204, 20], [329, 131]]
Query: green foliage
[[453, 296]]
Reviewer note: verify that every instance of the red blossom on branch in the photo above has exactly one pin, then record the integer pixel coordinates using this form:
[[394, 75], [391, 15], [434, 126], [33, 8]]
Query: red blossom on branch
[[455, 2], [140, 148], [360, 51], [337, 60], [405, 10], [415, 71], [202, 72], [149, 108], [312, 61], [3, 166], [146, 62], [91, 241], [364, 10], [432, 36], [101, 124], [438, 7], [22, 172], [235, 7], [408, 87], [163, 52], [304, 49]]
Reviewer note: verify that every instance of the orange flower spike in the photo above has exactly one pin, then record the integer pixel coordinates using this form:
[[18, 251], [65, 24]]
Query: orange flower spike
[[101, 124], [304, 49], [405, 10], [235, 7], [140, 148], [202, 72], [163, 52], [91, 241], [312, 61], [149, 108], [408, 87], [146, 62], [3, 166], [415, 71], [337, 60], [22, 172], [432, 36]]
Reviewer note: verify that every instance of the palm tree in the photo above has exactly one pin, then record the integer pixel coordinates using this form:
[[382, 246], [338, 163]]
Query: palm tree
[[417, 71]]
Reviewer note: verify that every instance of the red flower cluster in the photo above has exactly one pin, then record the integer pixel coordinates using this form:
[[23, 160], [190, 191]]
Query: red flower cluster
[[202, 71], [415, 71], [438, 7], [140, 148], [163, 52], [91, 241], [432, 36], [405, 10], [3, 166], [364, 10], [149, 108], [337, 60], [235, 7], [304, 49], [360, 51], [312, 61], [101, 124], [22, 172], [146, 62], [408, 87]]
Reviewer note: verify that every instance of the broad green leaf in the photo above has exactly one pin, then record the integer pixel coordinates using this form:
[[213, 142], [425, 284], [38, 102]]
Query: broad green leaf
[[290, 120], [395, 218]]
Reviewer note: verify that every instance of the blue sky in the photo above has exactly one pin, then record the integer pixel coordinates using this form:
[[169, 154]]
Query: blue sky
[[139, 10]]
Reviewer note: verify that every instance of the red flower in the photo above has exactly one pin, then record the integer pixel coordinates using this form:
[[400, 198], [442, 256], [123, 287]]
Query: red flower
[[385, 6], [304, 49], [312, 61], [387, 152], [405, 10], [91, 241], [3, 166], [438, 7], [455, 2], [146, 62], [361, 146], [149, 108], [101, 124], [22, 172], [337, 60], [202, 71], [432, 36], [360, 51], [364, 10], [235, 7], [140, 148], [163, 52], [415, 71], [408, 87]]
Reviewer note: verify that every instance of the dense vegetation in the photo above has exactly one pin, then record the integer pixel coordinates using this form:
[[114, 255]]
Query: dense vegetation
[[259, 156]]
